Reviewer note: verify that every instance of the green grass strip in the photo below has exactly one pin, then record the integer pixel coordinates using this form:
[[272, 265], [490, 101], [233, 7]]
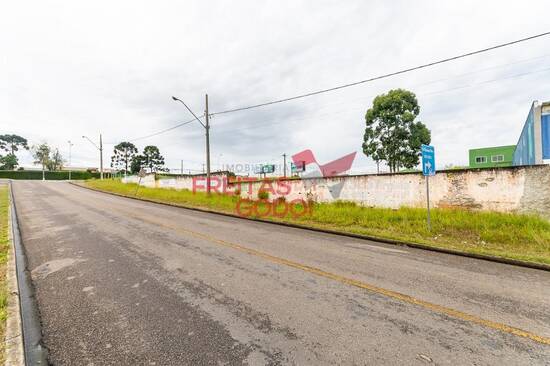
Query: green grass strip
[[507, 235], [4, 247]]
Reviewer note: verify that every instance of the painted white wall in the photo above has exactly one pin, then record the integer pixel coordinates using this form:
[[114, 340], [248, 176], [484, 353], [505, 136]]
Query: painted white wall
[[512, 189]]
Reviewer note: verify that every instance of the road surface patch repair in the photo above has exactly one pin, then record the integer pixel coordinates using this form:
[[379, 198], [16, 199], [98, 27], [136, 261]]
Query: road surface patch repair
[[46, 269]]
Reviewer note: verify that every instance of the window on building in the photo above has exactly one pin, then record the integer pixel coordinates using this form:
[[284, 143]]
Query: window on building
[[481, 159], [497, 158]]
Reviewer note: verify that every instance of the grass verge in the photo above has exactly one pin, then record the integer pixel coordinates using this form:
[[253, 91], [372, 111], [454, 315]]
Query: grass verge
[[513, 236], [4, 247]]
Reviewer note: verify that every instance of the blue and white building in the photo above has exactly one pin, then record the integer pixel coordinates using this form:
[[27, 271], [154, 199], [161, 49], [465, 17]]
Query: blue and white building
[[533, 146]]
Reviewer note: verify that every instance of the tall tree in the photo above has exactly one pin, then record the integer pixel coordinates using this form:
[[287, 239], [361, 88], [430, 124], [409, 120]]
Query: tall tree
[[138, 162], [55, 160], [152, 158], [391, 132], [12, 143], [123, 155], [41, 154]]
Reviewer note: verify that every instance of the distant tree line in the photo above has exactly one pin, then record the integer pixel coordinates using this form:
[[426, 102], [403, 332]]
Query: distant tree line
[[126, 158], [48, 157]]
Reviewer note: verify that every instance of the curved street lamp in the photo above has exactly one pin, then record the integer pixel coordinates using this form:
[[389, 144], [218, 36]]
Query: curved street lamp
[[100, 148], [207, 128]]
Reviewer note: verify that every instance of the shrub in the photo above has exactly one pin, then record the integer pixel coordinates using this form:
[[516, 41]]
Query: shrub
[[263, 195], [37, 175]]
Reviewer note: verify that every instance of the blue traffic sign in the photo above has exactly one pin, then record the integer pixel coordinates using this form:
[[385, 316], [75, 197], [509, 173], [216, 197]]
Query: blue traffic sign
[[428, 160]]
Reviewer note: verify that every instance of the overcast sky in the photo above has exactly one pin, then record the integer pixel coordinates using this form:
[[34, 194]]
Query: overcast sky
[[73, 68]]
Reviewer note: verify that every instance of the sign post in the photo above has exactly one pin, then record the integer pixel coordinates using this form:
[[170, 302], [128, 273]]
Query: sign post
[[297, 167], [142, 173], [428, 169], [264, 169], [268, 168]]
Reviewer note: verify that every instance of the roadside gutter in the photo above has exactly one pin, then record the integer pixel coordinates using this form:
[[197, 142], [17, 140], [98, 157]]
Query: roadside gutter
[[30, 327], [14, 353]]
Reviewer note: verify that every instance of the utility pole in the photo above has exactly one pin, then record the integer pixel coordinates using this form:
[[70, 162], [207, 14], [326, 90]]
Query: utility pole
[[428, 202], [100, 148], [182, 168], [125, 161], [207, 117], [284, 165], [70, 148], [206, 126], [100, 157]]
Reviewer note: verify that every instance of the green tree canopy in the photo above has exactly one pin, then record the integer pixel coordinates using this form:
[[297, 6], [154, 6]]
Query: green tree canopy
[[41, 154], [55, 160], [152, 158], [12, 143], [138, 162], [8, 162], [123, 155], [392, 134]]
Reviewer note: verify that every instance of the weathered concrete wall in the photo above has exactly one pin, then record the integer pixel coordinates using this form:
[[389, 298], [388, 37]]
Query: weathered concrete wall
[[185, 182], [536, 194], [147, 181], [487, 189], [511, 189]]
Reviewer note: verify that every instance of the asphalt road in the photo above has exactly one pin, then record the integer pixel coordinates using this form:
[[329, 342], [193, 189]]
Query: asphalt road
[[124, 282]]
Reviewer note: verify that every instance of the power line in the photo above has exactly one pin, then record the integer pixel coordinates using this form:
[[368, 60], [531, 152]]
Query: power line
[[327, 105], [162, 131], [488, 81], [384, 76], [347, 110], [351, 84]]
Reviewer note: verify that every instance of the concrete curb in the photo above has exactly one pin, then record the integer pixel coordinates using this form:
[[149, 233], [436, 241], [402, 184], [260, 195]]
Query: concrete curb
[[13, 342], [34, 352], [514, 262]]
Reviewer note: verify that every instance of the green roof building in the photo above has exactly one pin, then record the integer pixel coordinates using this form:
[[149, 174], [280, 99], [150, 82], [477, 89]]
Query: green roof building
[[492, 157], [533, 146]]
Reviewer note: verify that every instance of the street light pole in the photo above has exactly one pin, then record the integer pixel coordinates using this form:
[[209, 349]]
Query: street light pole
[[284, 165], [100, 148], [100, 157], [207, 147], [207, 128], [70, 150]]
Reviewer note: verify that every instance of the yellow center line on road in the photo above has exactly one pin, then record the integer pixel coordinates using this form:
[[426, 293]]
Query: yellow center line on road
[[356, 283]]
